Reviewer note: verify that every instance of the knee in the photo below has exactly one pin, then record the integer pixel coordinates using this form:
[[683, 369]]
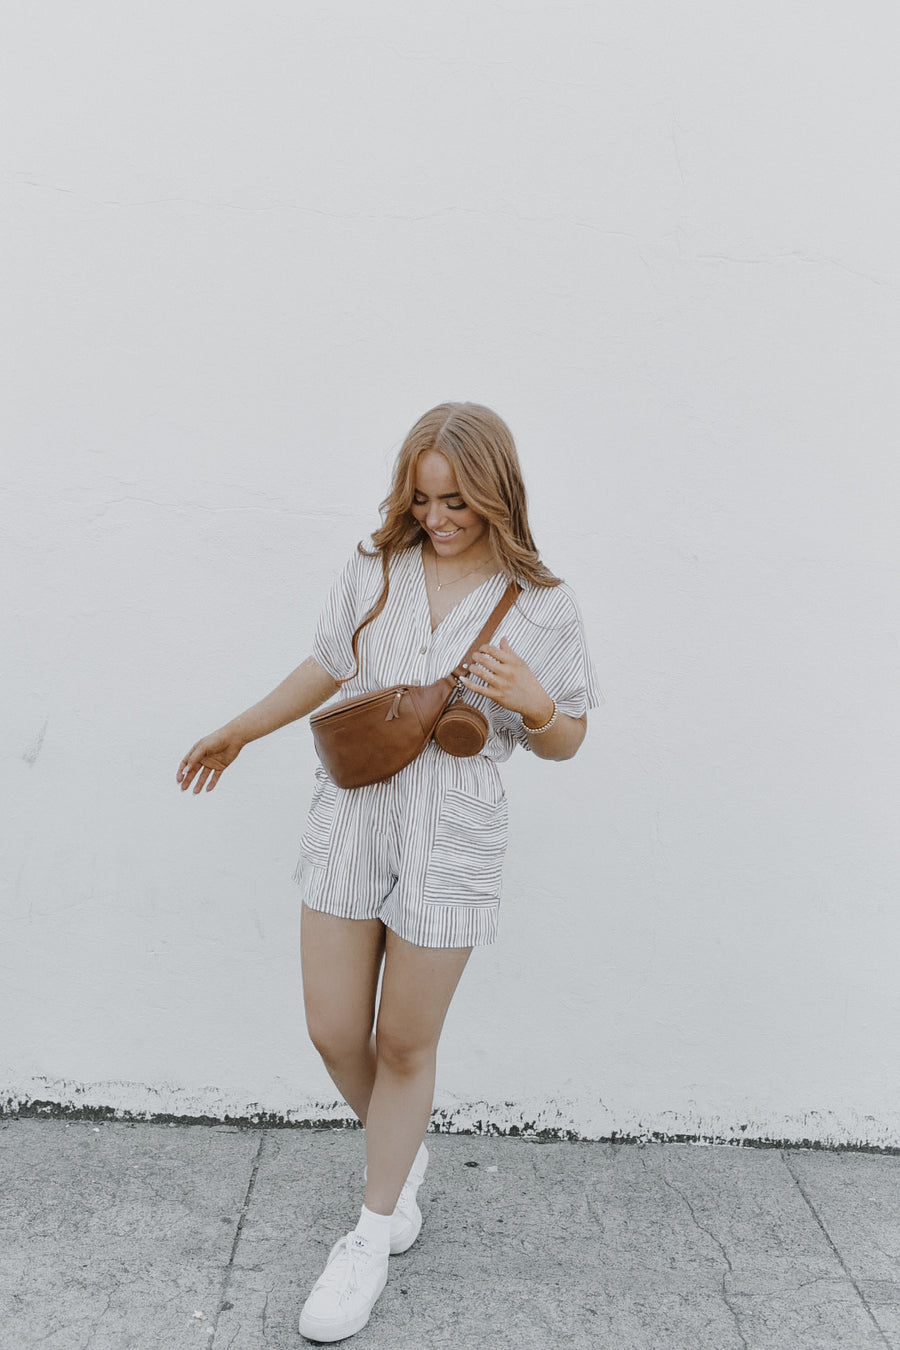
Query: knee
[[337, 1042], [403, 1053]]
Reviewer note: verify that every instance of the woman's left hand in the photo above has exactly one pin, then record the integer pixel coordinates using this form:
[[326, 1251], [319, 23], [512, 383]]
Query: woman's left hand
[[504, 677]]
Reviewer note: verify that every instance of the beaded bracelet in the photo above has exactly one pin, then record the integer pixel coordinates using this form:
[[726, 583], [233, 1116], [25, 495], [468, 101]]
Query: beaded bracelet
[[539, 731]]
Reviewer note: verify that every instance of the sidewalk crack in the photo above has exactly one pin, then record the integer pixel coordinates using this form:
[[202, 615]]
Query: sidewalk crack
[[726, 1258], [245, 1207], [840, 1260]]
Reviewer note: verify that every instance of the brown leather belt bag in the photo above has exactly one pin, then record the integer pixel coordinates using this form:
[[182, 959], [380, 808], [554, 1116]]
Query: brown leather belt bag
[[373, 736]]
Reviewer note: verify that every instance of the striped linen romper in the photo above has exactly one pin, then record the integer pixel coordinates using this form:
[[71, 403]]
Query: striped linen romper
[[423, 851]]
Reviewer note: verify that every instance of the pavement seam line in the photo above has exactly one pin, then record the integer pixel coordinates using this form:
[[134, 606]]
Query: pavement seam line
[[245, 1207], [840, 1260]]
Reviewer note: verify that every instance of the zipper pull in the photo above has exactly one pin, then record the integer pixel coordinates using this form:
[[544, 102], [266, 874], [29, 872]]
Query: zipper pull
[[394, 710]]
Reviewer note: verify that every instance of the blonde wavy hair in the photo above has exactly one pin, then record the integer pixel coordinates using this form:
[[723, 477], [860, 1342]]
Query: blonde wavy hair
[[482, 453]]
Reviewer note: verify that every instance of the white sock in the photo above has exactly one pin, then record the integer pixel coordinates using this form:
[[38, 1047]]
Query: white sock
[[375, 1228]]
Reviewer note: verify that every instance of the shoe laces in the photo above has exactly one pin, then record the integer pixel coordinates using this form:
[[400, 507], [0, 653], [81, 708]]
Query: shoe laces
[[352, 1258]]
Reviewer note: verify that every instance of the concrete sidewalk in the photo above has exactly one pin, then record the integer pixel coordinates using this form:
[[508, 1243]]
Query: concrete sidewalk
[[158, 1237]]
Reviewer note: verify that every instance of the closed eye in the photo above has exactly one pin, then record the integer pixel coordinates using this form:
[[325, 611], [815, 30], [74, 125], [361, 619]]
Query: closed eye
[[461, 506]]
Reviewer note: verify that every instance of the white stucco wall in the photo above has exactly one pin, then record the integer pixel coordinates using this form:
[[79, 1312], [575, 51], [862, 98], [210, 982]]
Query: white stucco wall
[[245, 247]]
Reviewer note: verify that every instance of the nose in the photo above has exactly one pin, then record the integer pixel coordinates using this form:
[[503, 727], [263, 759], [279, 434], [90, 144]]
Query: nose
[[434, 516]]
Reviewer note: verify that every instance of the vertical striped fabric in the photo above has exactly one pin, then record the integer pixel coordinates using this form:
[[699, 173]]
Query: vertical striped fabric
[[424, 850]]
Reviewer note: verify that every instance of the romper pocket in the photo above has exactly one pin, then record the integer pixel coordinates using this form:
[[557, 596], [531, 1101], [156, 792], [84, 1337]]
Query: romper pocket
[[315, 842], [466, 862]]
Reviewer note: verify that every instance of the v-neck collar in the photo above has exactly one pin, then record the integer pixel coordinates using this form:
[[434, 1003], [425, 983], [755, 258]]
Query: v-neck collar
[[461, 601]]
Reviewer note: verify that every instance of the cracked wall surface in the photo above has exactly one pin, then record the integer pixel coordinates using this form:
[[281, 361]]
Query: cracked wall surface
[[240, 258]]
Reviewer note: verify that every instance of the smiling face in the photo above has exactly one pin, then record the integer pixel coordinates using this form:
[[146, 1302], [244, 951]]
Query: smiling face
[[453, 527]]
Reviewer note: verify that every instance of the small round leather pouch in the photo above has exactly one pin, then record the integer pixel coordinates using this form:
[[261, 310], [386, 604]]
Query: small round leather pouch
[[462, 730]]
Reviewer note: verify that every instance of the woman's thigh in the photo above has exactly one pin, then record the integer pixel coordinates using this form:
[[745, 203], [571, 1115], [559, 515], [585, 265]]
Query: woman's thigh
[[416, 990], [341, 961]]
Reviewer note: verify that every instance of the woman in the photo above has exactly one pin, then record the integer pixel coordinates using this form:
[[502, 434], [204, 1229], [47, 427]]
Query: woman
[[405, 873]]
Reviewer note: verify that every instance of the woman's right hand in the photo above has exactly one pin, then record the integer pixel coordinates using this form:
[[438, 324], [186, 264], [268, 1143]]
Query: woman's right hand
[[209, 758]]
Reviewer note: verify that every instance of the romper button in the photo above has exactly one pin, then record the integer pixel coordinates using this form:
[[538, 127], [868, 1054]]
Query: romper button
[[423, 651]]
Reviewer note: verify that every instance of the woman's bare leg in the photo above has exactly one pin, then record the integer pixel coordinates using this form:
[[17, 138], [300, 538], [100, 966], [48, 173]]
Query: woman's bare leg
[[341, 960], [416, 990]]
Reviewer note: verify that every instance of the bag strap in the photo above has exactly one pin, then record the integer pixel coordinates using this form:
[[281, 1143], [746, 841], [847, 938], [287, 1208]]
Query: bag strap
[[504, 604]]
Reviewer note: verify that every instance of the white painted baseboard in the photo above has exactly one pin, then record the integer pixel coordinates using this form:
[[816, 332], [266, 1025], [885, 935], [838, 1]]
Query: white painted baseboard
[[125, 1100]]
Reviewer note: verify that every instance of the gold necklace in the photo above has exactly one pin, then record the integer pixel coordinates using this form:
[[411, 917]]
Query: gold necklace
[[441, 584]]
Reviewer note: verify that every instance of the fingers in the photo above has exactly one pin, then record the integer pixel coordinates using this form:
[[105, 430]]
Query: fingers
[[479, 688], [486, 676], [485, 663], [500, 675], [481, 669], [489, 662], [191, 766], [188, 767], [503, 651], [495, 653], [189, 777], [500, 656]]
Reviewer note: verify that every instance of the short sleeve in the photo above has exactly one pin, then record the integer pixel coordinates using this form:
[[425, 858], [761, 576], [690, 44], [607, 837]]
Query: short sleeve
[[348, 602], [555, 649]]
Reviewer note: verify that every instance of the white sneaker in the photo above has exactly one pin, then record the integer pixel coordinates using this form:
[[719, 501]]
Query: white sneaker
[[418, 1169], [345, 1293], [406, 1220]]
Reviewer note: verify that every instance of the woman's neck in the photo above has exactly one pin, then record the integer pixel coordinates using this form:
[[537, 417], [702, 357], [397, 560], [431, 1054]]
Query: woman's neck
[[450, 570]]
